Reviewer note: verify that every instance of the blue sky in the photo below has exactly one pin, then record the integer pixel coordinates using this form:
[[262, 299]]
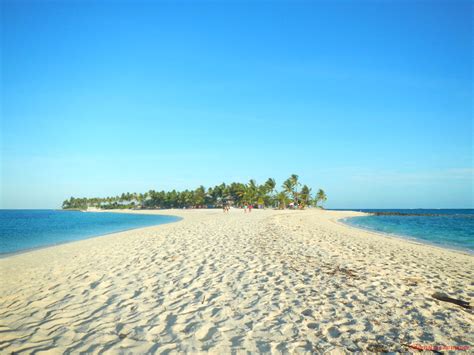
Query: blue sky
[[371, 101]]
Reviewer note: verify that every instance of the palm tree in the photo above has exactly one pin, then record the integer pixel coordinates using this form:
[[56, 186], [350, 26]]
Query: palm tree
[[251, 192], [141, 198], [282, 199], [321, 196], [269, 188], [270, 185], [290, 186], [305, 196], [238, 193], [199, 196]]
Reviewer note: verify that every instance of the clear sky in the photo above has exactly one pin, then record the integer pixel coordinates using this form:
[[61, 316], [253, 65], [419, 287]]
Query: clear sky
[[371, 101]]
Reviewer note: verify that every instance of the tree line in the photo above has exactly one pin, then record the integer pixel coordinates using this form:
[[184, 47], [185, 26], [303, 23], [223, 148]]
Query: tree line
[[292, 194]]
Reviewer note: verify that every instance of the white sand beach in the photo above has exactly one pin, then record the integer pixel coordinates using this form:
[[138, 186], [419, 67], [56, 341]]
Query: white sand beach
[[265, 282]]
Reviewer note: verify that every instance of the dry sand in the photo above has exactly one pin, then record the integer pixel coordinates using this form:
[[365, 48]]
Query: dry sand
[[269, 281]]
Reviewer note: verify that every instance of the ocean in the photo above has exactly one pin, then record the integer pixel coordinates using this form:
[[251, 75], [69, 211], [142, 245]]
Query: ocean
[[448, 228], [22, 230]]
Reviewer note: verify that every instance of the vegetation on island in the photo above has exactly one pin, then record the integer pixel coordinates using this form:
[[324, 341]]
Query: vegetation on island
[[292, 195]]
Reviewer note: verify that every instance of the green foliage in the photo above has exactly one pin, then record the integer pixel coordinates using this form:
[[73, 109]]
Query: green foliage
[[305, 196], [282, 200], [290, 186], [320, 197], [236, 194]]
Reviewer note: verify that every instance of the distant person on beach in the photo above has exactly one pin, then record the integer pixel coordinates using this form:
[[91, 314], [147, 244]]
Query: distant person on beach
[[250, 207], [226, 207], [245, 208]]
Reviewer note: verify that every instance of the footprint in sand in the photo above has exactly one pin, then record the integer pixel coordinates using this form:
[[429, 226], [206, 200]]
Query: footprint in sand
[[307, 313], [206, 332], [333, 332], [94, 284]]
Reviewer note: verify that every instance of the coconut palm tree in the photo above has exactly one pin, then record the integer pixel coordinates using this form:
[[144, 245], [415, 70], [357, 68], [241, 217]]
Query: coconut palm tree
[[270, 185], [238, 193], [199, 196], [269, 189], [251, 192], [305, 196], [321, 196], [290, 186], [282, 200]]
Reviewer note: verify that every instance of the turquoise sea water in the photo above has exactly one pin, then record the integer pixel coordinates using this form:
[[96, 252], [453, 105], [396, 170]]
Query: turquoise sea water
[[28, 229], [451, 228]]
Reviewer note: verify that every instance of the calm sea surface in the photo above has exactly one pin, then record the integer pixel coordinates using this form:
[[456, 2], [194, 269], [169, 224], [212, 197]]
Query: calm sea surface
[[450, 228], [28, 229]]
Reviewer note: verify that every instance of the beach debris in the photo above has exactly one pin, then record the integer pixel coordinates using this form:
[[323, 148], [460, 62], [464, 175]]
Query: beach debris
[[122, 335], [413, 281], [445, 298]]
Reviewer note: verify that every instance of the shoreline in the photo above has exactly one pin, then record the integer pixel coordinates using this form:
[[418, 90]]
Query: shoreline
[[339, 220], [406, 238], [29, 250], [265, 281], [23, 251]]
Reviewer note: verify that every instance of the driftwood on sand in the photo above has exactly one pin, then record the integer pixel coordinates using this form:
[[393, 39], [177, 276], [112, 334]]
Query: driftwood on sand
[[445, 298]]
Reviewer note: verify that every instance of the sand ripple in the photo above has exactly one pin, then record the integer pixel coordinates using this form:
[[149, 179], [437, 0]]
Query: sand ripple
[[264, 282]]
